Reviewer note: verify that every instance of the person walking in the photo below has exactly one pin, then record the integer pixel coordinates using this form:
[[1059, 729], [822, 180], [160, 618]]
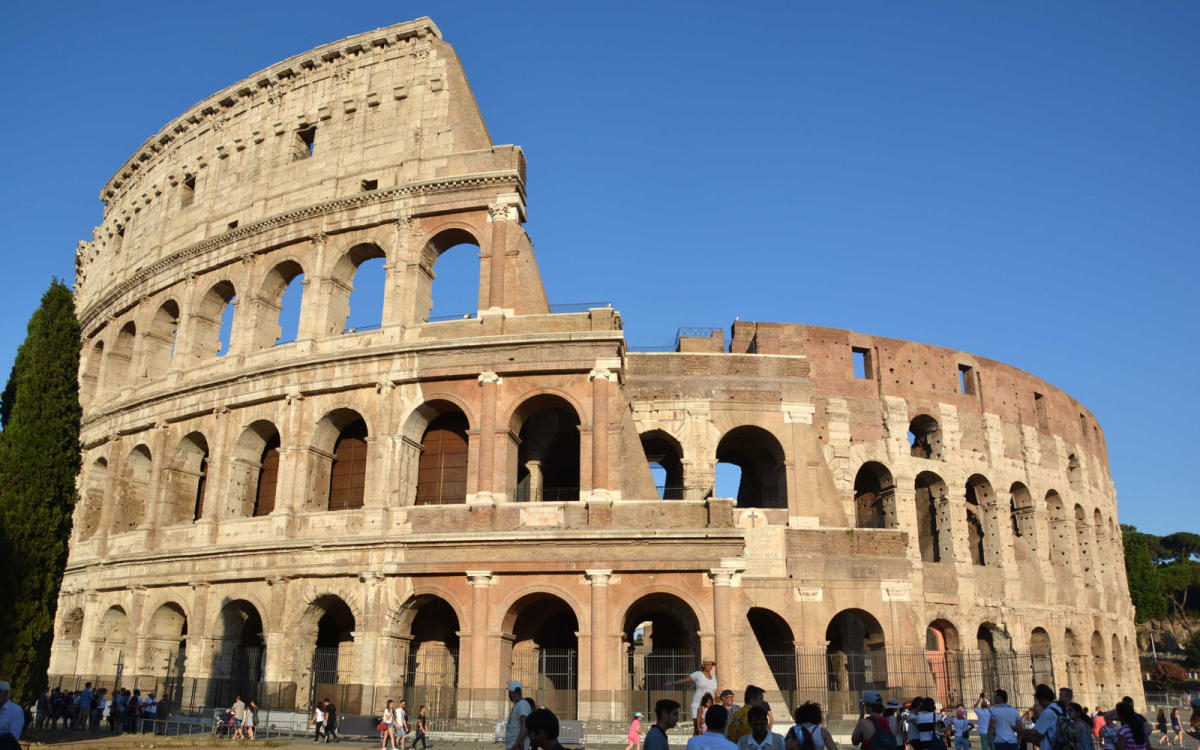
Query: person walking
[[705, 680], [516, 736], [666, 716], [250, 718], [388, 722], [422, 729], [331, 722], [635, 732], [1160, 723], [318, 720], [1177, 726]]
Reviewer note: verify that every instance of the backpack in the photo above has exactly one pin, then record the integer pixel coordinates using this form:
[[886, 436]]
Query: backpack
[[1066, 731], [884, 738]]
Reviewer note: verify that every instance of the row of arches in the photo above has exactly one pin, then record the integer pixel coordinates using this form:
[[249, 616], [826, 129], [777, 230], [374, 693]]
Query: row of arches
[[253, 311], [1074, 537]]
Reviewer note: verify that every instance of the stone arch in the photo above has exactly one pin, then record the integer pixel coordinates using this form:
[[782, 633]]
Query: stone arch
[[158, 343], [133, 484], [933, 518], [110, 640], [855, 656], [210, 335], [661, 634], [326, 632], [1024, 526], [1041, 653], [356, 267], [1118, 663], [925, 437], [664, 452], [981, 521], [445, 238], [1075, 657], [119, 359], [186, 481], [239, 653], [1103, 544], [271, 311], [544, 655], [941, 647], [995, 658], [1060, 533], [1099, 663], [874, 497], [165, 638], [89, 377], [761, 458], [778, 645], [428, 626], [339, 456], [91, 499], [66, 647], [1083, 541], [436, 452], [545, 464], [254, 470]]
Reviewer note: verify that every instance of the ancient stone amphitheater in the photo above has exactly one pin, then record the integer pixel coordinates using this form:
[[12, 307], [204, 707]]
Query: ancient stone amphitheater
[[429, 508]]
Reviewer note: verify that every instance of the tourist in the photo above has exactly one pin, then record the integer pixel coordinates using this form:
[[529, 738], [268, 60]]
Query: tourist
[[86, 698], [698, 720], [542, 725], [422, 729], [43, 708], [387, 735], [870, 719], [1176, 726], [516, 735], [1078, 714], [739, 723], [1132, 734], [983, 719], [635, 732], [237, 711], [726, 700], [761, 737], [250, 718], [1004, 722], [1046, 716], [666, 716], [149, 713], [926, 721], [331, 722], [962, 729], [714, 736], [705, 680], [1108, 732], [318, 720], [1160, 723], [810, 732], [12, 716]]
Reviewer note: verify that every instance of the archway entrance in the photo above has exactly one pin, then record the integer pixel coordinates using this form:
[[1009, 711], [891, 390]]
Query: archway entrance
[[333, 647], [942, 656], [856, 658], [430, 660], [662, 645], [545, 652], [778, 646], [240, 658]]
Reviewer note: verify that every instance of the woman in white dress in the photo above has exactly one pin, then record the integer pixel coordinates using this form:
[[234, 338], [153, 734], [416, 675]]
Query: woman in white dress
[[248, 718], [705, 680], [388, 735]]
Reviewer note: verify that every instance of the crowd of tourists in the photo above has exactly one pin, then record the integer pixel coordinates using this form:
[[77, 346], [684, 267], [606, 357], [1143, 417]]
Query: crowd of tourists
[[90, 710]]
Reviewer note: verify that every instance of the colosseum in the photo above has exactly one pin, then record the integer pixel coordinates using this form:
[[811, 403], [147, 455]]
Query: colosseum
[[430, 507]]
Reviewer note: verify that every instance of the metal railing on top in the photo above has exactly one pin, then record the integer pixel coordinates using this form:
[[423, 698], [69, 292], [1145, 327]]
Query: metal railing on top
[[577, 307]]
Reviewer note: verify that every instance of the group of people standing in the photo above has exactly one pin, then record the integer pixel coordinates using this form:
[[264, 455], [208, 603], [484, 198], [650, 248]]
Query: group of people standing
[[89, 709], [242, 718]]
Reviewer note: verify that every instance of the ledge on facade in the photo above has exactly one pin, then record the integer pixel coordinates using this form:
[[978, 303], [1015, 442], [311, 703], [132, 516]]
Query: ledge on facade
[[847, 543]]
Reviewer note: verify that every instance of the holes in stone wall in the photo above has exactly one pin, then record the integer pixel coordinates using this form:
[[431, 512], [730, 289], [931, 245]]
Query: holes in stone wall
[[933, 523]]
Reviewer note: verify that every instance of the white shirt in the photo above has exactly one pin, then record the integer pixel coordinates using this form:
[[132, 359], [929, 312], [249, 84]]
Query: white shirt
[[772, 741], [710, 741], [703, 685], [1047, 725], [1006, 718], [12, 719], [318, 716]]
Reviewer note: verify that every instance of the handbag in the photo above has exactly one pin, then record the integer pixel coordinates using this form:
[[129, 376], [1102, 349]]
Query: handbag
[[382, 727]]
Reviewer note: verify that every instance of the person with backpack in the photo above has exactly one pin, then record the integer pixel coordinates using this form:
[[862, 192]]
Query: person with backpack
[[929, 735], [1078, 714], [1048, 716], [873, 730], [809, 733]]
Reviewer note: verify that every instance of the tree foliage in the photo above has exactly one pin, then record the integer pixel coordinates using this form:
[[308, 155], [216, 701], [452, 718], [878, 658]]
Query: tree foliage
[[39, 459], [1145, 588]]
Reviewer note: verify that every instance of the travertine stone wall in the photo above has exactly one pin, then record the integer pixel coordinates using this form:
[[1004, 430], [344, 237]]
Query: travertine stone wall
[[994, 520]]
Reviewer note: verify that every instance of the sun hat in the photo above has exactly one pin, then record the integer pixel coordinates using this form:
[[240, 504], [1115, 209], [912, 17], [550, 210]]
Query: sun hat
[[514, 687], [872, 696], [638, 715]]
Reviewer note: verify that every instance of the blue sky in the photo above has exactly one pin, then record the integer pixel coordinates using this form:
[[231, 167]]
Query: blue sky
[[1018, 180]]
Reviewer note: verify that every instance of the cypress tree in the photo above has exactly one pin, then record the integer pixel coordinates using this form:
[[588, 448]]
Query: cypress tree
[[39, 459]]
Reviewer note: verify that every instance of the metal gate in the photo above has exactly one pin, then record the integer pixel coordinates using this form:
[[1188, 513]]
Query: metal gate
[[551, 677], [649, 674]]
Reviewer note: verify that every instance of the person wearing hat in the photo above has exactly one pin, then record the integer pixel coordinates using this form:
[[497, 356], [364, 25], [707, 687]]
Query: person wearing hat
[[516, 736], [12, 716], [870, 720], [705, 680], [635, 732]]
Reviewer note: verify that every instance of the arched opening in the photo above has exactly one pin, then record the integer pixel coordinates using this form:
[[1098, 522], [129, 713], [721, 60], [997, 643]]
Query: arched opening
[[212, 324], [110, 641], [1117, 664], [186, 479], [129, 507], [240, 654], [547, 455], [166, 641], [279, 306], [1024, 528], [158, 346], [761, 459], [89, 379], [933, 518], [430, 663], [856, 658], [1074, 469], [1075, 658], [448, 284], [925, 437], [1041, 656], [91, 499], [254, 470], [545, 651], [942, 655], [665, 457], [356, 299], [978, 497], [332, 644], [1083, 540], [778, 646], [996, 658], [1103, 542], [662, 645], [119, 359], [1060, 532], [874, 497], [339, 452], [1099, 664], [66, 648], [442, 469]]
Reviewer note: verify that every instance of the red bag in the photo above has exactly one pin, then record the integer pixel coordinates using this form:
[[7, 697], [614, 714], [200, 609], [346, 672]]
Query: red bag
[[382, 727]]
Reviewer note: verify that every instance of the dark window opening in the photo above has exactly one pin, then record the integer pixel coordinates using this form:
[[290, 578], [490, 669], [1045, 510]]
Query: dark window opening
[[442, 470], [188, 188], [548, 453], [348, 475], [233, 224], [201, 483], [925, 437], [665, 459], [369, 185], [1039, 403], [874, 497], [863, 368], [306, 143], [268, 479], [966, 379], [759, 456]]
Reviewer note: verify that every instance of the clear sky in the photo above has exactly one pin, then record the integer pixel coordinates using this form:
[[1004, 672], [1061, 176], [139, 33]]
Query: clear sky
[[1017, 180]]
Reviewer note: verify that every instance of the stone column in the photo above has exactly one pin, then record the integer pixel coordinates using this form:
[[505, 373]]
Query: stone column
[[485, 493], [278, 667], [367, 640], [500, 214], [600, 379], [290, 490], [133, 642], [481, 581], [196, 666], [722, 579], [597, 704], [116, 465]]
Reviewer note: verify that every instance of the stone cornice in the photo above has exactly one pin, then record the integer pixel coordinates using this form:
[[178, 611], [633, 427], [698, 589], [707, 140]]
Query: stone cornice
[[88, 316]]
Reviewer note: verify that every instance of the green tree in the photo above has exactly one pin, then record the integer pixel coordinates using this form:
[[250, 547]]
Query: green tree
[[1177, 579], [39, 458], [1145, 588], [1182, 545]]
